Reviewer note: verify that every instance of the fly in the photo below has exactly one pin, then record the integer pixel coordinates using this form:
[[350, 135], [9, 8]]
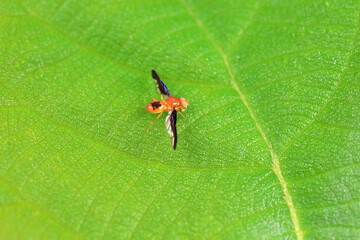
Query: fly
[[171, 105]]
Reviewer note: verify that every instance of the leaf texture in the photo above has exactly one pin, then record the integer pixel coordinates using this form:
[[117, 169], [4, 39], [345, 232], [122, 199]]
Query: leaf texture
[[269, 148]]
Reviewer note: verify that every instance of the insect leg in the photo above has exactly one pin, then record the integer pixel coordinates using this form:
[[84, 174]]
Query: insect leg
[[154, 121], [182, 114]]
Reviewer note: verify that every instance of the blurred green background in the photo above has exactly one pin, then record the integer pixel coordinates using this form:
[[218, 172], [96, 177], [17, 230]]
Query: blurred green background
[[269, 148]]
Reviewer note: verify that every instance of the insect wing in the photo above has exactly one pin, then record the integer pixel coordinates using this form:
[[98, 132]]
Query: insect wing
[[161, 86], [170, 123]]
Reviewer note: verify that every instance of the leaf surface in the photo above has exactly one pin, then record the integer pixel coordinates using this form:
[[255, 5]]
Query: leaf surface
[[269, 148]]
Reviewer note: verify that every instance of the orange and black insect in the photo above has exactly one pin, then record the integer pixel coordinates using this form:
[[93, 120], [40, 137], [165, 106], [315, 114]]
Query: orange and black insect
[[171, 105]]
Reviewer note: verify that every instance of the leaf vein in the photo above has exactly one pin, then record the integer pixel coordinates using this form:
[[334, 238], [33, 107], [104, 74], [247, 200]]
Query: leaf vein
[[347, 66], [276, 164]]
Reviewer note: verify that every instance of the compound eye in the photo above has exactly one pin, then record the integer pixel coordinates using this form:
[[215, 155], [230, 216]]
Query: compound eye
[[184, 102]]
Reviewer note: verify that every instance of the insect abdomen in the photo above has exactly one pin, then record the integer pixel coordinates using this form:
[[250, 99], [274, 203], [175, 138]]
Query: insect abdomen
[[154, 107]]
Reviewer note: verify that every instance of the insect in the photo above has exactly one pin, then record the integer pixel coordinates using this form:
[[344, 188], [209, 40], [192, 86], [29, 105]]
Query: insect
[[171, 105]]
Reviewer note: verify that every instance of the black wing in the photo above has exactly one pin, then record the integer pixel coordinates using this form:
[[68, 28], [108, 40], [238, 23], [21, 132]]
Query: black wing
[[170, 123], [162, 88]]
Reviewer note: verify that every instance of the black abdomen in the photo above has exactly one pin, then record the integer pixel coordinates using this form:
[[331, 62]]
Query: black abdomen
[[155, 105]]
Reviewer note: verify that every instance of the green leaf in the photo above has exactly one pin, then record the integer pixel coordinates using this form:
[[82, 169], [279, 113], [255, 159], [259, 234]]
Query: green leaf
[[269, 147]]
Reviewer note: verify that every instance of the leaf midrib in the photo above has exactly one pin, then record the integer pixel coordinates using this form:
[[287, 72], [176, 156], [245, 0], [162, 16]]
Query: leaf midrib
[[275, 159]]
